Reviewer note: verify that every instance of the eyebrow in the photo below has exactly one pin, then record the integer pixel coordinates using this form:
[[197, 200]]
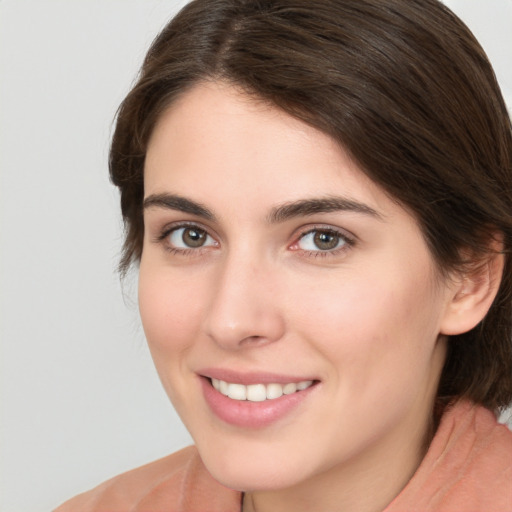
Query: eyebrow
[[179, 203], [305, 207], [282, 213]]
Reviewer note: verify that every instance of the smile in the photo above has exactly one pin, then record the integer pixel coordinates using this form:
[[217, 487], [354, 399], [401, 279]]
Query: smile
[[258, 392], [258, 403]]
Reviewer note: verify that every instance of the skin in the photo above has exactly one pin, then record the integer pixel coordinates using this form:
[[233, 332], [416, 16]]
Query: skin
[[365, 319]]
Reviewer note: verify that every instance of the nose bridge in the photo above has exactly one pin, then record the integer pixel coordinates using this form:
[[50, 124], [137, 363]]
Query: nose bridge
[[244, 306]]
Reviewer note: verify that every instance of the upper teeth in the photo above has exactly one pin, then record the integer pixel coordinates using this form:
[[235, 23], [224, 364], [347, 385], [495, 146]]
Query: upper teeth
[[258, 392]]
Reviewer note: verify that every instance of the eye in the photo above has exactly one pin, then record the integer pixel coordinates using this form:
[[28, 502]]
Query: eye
[[189, 237], [322, 240]]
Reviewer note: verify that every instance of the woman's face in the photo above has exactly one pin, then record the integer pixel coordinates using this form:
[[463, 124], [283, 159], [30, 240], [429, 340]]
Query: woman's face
[[270, 261]]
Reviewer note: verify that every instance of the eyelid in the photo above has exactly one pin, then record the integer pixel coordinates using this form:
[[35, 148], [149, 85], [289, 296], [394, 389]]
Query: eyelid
[[164, 233], [349, 239]]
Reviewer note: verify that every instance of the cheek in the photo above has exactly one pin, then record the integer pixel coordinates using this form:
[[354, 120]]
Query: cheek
[[169, 310], [374, 324]]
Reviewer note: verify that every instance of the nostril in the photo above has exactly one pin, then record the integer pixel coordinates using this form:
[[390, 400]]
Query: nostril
[[254, 340]]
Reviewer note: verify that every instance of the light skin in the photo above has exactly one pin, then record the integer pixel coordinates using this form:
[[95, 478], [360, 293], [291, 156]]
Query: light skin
[[266, 249]]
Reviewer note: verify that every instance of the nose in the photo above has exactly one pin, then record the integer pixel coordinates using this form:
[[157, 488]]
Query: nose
[[244, 310]]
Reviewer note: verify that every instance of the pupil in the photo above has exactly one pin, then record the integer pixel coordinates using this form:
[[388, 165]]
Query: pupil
[[193, 237], [325, 240]]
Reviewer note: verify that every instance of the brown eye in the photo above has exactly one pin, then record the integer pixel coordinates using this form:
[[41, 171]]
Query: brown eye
[[322, 240], [190, 237], [193, 237], [326, 240]]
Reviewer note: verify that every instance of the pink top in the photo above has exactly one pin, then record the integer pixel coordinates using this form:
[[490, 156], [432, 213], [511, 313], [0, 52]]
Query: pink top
[[468, 468]]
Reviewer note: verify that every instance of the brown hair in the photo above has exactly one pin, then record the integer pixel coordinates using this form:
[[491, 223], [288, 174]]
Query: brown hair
[[402, 84]]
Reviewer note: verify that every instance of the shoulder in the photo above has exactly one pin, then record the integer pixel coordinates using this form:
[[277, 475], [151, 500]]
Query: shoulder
[[467, 467], [471, 432], [178, 482]]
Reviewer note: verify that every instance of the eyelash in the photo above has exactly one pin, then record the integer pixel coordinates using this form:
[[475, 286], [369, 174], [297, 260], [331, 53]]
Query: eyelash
[[348, 241], [168, 230]]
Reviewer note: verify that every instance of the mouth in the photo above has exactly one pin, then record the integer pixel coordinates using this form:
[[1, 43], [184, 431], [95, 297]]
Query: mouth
[[257, 403], [258, 392]]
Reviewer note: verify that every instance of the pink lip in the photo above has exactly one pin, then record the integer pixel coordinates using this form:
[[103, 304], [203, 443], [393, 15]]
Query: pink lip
[[247, 378], [246, 414]]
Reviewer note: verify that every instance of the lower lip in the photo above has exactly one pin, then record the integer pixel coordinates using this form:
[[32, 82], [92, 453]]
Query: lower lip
[[247, 414]]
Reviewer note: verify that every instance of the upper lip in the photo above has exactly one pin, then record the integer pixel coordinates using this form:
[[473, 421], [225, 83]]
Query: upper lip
[[251, 377]]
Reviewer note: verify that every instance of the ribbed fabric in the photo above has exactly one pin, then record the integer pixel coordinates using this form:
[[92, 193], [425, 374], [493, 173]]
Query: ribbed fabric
[[176, 483], [468, 468]]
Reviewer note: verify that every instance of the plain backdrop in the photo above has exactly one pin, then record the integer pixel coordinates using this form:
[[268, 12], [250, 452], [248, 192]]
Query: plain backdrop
[[80, 400]]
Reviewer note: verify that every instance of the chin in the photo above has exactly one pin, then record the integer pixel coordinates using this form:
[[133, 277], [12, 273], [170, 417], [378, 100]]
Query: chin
[[253, 469], [255, 478]]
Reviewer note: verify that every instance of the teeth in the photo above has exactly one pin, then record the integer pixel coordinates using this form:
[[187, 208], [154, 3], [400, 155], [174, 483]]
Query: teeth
[[304, 385], [258, 392], [274, 391], [223, 387], [288, 389], [237, 391]]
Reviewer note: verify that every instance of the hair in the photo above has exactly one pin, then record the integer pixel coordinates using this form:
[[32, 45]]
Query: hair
[[402, 85]]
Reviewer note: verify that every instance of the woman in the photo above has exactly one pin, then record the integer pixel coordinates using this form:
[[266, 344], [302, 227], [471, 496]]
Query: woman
[[318, 195]]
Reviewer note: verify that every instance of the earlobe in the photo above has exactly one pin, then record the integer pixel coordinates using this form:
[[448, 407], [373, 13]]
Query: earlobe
[[473, 295]]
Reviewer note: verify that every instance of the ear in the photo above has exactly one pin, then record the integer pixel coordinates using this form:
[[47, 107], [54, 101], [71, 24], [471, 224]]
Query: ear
[[474, 292]]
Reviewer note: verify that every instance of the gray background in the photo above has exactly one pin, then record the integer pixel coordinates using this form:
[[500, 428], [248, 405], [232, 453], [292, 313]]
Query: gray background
[[80, 400]]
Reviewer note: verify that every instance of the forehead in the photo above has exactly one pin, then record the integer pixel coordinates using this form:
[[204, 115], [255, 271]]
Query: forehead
[[215, 135]]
